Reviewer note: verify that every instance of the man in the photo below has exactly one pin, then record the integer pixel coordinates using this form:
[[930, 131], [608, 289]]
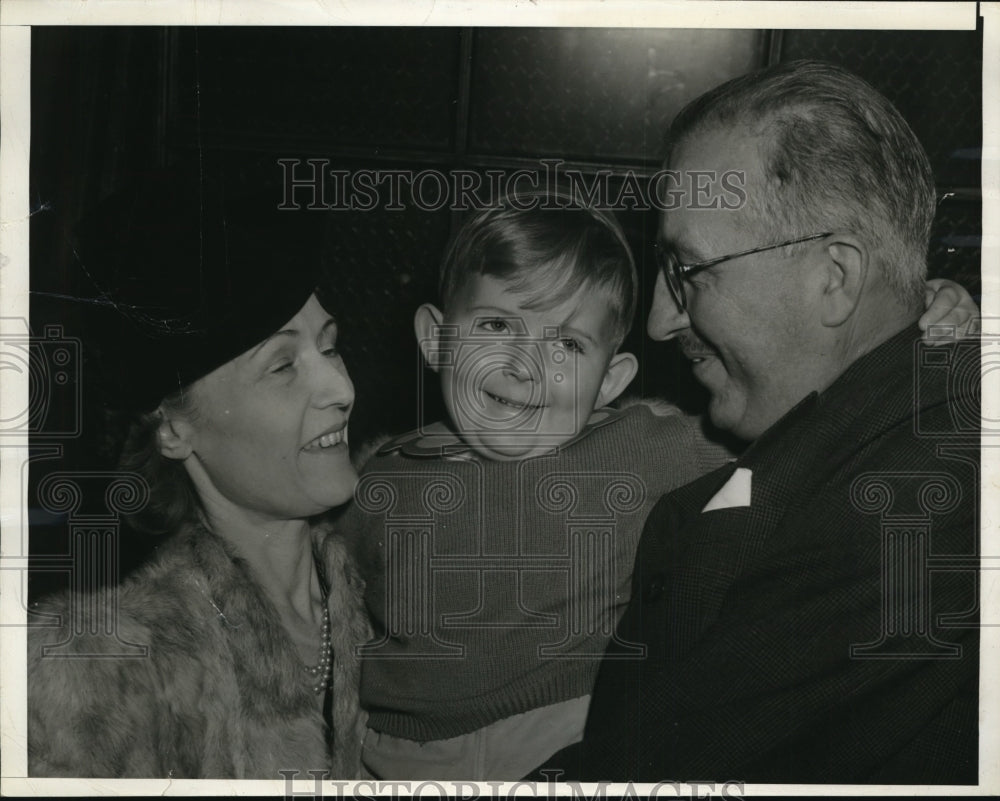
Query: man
[[794, 628]]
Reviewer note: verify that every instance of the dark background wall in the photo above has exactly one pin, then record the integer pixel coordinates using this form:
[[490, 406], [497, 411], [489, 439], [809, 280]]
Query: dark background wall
[[111, 103]]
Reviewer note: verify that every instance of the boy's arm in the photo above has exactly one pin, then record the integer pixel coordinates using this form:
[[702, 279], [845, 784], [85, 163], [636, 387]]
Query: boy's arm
[[356, 529], [950, 309], [368, 449], [705, 448], [658, 406]]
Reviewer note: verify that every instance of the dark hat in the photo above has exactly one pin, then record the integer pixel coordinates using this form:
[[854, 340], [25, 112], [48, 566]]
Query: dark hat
[[188, 271]]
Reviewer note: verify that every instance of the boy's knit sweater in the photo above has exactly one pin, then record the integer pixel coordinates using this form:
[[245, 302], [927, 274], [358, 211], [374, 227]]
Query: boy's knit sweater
[[496, 585]]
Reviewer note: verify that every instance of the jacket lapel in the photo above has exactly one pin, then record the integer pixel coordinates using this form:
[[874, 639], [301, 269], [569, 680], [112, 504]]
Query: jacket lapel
[[664, 571], [704, 552], [713, 549]]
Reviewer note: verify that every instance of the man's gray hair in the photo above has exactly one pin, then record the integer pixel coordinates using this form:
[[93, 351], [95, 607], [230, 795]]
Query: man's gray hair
[[837, 155]]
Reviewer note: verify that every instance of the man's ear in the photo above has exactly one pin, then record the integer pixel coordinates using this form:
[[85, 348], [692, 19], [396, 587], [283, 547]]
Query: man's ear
[[621, 370], [174, 435], [845, 270], [426, 325]]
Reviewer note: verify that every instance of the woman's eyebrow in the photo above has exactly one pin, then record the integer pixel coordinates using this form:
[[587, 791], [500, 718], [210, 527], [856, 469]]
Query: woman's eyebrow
[[286, 332], [293, 332]]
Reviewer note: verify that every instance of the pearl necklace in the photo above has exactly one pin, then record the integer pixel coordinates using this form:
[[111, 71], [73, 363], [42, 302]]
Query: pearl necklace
[[321, 673]]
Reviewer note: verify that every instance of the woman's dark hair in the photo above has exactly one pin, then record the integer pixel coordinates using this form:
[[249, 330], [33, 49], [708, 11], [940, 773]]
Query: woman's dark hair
[[183, 269], [173, 501]]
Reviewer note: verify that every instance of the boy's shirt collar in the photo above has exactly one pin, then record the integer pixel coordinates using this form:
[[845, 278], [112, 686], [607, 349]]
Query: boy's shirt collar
[[440, 440]]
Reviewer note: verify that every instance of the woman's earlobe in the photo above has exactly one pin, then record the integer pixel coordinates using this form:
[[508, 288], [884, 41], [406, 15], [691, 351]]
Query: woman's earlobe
[[173, 437]]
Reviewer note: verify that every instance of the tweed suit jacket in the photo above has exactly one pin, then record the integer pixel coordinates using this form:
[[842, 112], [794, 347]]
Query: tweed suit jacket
[[817, 634]]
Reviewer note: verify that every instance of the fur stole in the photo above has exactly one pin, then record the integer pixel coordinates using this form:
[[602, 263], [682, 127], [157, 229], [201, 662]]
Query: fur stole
[[209, 686]]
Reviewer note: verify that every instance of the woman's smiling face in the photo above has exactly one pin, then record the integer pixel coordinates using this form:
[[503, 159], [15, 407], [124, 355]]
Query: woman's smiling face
[[269, 431]]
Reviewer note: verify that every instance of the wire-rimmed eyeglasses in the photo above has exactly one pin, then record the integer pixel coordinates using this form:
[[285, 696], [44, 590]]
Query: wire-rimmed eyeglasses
[[674, 272]]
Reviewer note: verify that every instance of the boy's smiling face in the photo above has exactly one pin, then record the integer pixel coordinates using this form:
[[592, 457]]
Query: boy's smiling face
[[520, 381]]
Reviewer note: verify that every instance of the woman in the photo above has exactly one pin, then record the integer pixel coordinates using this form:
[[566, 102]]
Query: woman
[[239, 404]]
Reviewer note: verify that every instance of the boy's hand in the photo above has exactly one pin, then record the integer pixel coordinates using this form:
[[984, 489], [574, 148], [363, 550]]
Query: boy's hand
[[950, 312]]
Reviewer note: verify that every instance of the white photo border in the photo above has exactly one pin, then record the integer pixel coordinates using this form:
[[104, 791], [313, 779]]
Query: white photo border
[[16, 17]]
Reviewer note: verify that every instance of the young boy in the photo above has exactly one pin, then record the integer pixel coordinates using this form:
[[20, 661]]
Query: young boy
[[503, 540]]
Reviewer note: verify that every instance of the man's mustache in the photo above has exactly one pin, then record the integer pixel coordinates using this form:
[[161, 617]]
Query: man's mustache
[[691, 345]]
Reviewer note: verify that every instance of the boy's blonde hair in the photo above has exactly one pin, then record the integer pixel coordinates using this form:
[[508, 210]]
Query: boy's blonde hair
[[548, 247]]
